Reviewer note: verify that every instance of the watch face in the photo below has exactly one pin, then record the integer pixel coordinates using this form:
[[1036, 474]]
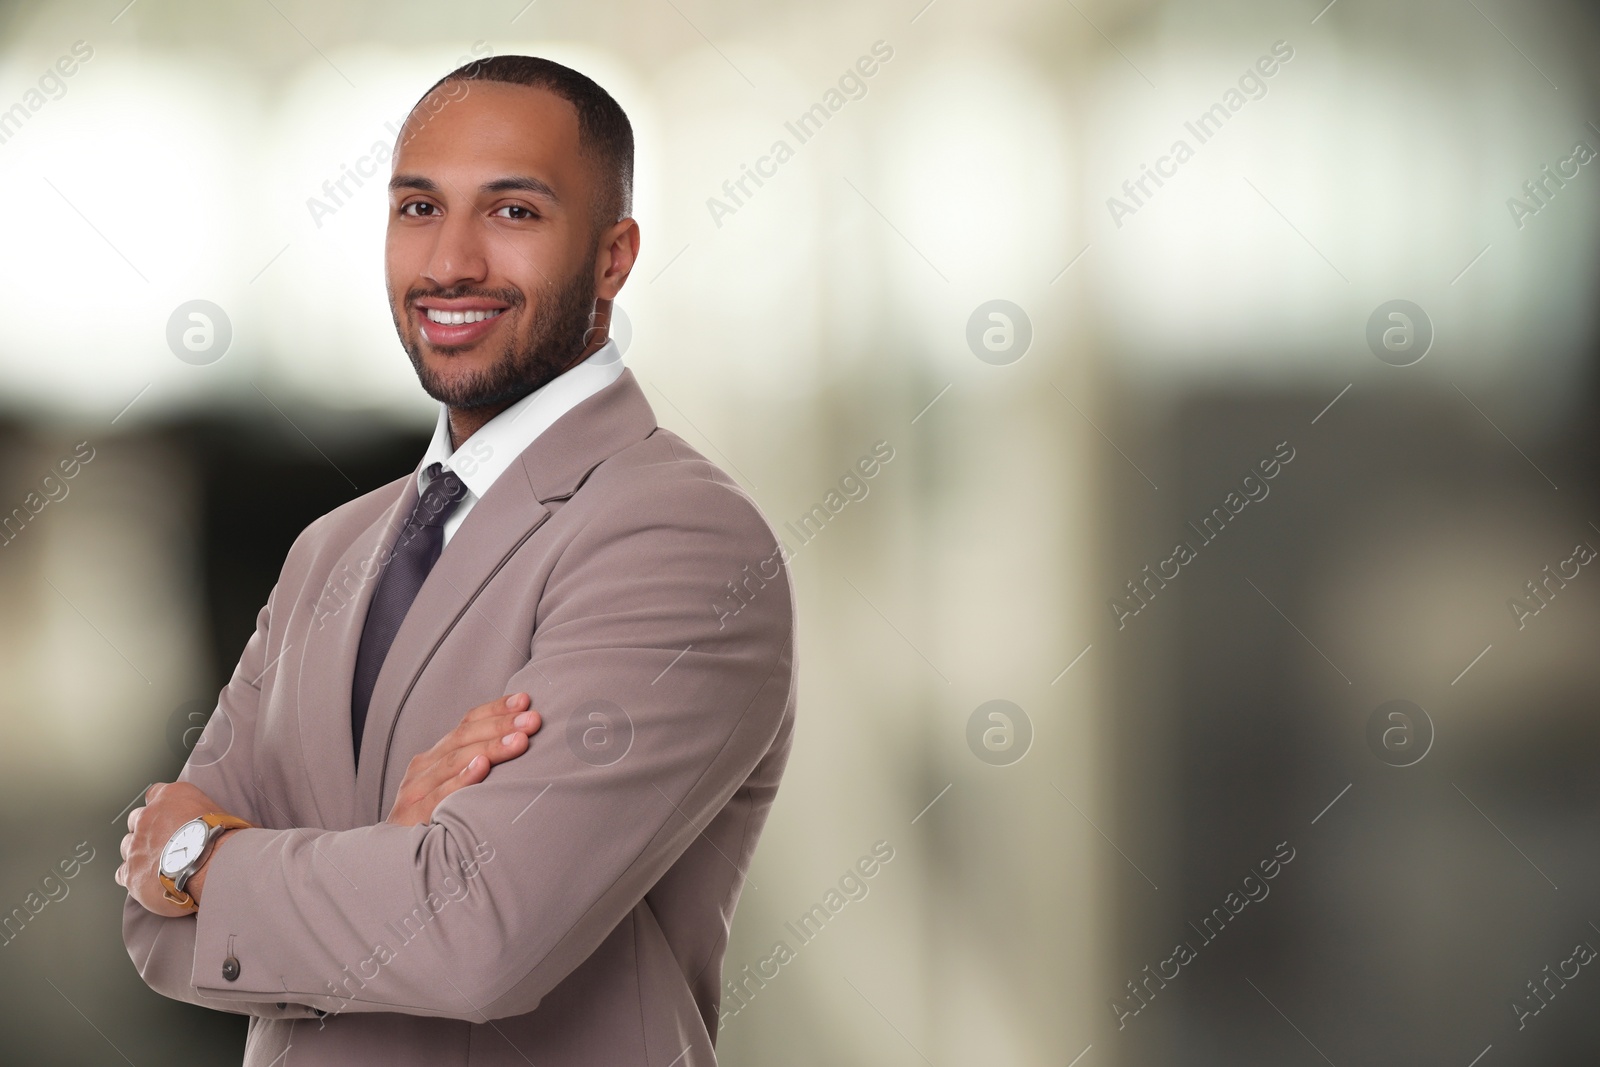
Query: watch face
[[183, 847]]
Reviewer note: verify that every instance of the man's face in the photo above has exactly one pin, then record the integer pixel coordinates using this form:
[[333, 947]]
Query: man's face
[[490, 256]]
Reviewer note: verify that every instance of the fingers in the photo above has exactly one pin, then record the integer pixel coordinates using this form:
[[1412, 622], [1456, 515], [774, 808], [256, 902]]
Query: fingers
[[490, 733], [484, 731], [510, 704], [414, 805], [498, 737], [476, 770], [490, 742], [127, 845], [125, 848], [507, 747]]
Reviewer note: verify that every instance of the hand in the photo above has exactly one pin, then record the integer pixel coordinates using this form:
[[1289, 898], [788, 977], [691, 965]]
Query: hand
[[167, 807], [488, 734]]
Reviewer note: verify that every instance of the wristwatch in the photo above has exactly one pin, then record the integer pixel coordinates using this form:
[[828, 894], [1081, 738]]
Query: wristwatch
[[187, 849]]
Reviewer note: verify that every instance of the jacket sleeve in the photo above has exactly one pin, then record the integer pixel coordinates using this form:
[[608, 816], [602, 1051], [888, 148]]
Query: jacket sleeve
[[162, 947], [658, 702]]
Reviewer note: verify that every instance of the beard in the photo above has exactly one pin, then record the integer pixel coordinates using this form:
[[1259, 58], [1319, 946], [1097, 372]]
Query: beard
[[558, 333]]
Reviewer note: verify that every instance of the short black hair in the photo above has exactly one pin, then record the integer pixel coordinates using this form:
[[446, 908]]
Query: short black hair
[[604, 133]]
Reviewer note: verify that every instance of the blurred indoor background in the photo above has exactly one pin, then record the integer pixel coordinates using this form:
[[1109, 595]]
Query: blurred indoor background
[[1174, 720]]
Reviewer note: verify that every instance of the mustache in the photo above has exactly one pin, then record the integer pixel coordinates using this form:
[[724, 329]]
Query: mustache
[[512, 298]]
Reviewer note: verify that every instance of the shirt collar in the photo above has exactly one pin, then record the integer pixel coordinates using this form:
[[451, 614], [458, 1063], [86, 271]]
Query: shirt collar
[[485, 455]]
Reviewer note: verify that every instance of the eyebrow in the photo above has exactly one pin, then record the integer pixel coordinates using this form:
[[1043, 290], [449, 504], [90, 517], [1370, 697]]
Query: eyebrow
[[515, 183]]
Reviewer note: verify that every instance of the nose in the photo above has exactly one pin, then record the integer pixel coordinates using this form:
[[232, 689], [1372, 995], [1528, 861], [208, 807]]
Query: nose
[[459, 255]]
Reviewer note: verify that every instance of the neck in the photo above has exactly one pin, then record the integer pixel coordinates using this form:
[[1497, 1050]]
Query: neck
[[464, 422]]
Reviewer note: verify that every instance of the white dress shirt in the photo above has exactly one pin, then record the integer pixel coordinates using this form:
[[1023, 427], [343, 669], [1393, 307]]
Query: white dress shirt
[[485, 455]]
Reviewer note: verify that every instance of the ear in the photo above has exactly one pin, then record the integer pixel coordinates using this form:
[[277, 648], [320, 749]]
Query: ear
[[615, 256]]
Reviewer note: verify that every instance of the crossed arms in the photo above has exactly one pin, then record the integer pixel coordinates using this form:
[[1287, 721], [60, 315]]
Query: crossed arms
[[513, 897]]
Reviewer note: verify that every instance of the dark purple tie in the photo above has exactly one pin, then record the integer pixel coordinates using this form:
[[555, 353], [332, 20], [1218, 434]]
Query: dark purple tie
[[415, 552]]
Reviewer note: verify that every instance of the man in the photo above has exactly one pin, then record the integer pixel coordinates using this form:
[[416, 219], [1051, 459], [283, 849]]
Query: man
[[374, 878]]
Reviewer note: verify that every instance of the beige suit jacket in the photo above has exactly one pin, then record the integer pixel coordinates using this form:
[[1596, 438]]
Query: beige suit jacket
[[574, 907]]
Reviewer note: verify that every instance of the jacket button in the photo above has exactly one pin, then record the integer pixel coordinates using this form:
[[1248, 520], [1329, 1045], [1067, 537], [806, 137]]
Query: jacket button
[[230, 968], [282, 1004]]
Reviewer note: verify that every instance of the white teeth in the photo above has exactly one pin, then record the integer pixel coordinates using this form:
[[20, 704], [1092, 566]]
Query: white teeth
[[457, 318]]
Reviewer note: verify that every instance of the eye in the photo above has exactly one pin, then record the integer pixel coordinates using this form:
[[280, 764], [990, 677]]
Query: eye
[[516, 211], [423, 209]]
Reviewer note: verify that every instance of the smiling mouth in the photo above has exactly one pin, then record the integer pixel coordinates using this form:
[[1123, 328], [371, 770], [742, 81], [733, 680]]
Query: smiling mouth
[[458, 318], [458, 328]]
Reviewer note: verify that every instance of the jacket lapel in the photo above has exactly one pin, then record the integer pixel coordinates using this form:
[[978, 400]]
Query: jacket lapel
[[327, 665], [551, 468]]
